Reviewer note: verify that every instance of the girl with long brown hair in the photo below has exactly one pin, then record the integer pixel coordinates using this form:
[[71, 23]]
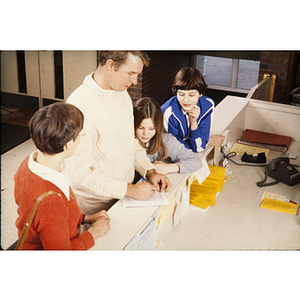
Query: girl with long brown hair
[[163, 149]]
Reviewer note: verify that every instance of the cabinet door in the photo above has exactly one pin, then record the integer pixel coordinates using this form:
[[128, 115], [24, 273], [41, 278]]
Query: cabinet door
[[145, 240]]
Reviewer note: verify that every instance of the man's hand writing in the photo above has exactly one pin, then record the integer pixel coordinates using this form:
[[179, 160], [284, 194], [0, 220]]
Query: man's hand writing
[[141, 191], [159, 180]]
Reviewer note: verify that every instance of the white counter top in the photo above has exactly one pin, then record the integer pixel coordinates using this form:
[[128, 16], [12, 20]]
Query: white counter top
[[127, 222], [237, 221]]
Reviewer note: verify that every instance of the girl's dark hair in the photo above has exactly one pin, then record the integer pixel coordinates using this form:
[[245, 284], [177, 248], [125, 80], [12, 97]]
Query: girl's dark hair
[[53, 126], [145, 108], [189, 79]]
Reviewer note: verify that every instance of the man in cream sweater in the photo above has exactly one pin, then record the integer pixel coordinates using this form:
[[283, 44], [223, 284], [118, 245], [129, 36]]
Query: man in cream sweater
[[102, 168]]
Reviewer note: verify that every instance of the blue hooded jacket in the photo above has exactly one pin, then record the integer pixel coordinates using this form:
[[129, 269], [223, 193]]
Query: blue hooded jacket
[[176, 121]]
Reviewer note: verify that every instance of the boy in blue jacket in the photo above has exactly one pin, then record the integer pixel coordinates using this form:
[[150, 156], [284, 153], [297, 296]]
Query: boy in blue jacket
[[188, 115]]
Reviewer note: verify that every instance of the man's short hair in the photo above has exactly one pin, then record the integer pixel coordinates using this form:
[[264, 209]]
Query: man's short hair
[[189, 79], [119, 57], [53, 126]]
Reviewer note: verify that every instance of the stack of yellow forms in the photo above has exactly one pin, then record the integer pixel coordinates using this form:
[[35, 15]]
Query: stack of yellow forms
[[204, 195]]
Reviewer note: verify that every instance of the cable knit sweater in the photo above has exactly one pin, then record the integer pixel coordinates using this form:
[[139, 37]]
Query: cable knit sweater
[[55, 225], [107, 155]]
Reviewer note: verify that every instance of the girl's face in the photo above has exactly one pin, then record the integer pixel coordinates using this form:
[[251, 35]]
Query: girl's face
[[188, 99], [146, 131]]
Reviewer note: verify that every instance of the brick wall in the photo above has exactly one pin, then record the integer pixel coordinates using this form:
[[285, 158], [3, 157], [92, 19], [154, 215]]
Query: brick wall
[[276, 63], [156, 80], [135, 91]]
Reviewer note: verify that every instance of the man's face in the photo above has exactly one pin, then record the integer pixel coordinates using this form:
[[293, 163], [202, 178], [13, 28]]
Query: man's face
[[126, 74]]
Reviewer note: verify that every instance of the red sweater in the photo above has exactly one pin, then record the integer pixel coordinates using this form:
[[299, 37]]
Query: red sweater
[[55, 226]]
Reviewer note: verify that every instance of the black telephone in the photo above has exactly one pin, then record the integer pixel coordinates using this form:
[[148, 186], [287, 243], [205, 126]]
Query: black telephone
[[280, 169]]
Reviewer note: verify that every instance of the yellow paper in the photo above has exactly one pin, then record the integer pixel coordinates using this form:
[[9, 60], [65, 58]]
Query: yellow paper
[[164, 212], [202, 196], [201, 201], [241, 149], [214, 183], [216, 173], [216, 178], [281, 206], [202, 189]]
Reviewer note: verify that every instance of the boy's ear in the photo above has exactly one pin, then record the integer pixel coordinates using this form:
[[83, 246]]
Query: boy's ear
[[68, 145]]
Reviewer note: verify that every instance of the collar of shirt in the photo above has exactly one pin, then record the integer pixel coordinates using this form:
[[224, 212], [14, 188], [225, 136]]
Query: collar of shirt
[[188, 124], [187, 118], [57, 178]]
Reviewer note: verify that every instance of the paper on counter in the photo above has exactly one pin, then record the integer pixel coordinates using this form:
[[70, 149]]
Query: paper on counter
[[240, 149], [217, 150], [272, 196], [157, 199], [203, 172], [280, 206], [165, 211]]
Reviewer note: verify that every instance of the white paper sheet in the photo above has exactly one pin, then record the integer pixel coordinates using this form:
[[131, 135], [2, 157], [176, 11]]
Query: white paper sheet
[[157, 199], [203, 172]]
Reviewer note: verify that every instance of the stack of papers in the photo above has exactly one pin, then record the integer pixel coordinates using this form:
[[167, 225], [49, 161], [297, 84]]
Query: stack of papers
[[157, 199], [204, 195]]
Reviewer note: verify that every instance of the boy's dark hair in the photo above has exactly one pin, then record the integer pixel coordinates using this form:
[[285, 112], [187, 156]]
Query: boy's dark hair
[[189, 79], [53, 126], [119, 57]]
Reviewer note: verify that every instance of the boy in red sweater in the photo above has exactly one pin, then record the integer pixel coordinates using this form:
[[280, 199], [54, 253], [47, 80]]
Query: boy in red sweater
[[55, 132]]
